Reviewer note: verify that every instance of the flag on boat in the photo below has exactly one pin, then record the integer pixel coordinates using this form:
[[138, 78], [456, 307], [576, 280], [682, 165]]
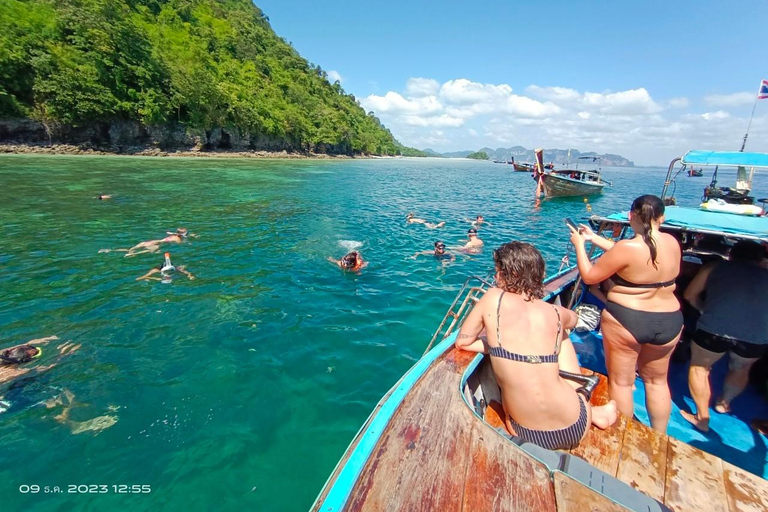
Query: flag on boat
[[763, 92]]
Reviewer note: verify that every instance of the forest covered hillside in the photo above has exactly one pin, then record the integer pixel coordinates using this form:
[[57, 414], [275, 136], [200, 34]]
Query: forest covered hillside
[[210, 74]]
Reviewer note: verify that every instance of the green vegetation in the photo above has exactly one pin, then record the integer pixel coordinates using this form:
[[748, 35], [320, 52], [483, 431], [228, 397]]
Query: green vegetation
[[195, 64], [478, 155]]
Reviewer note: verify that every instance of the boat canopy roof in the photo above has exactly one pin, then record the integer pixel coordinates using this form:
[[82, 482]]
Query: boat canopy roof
[[680, 218], [732, 158]]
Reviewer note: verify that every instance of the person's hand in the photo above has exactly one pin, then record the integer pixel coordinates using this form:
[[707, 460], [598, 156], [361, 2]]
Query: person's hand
[[586, 232], [577, 239]]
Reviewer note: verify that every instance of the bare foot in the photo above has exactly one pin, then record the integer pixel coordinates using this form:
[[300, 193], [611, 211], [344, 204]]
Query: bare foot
[[603, 416], [68, 348], [722, 407], [693, 419]]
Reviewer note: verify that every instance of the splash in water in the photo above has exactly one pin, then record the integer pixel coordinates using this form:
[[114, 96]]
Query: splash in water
[[350, 245]]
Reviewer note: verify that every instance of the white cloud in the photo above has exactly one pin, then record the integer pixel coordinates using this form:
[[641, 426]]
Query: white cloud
[[334, 76], [715, 115], [461, 114], [394, 103], [555, 94], [464, 92], [417, 87], [635, 101], [677, 103], [736, 99], [443, 120]]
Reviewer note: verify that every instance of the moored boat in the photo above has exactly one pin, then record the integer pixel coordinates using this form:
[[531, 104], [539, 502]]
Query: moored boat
[[436, 441], [568, 182], [695, 173]]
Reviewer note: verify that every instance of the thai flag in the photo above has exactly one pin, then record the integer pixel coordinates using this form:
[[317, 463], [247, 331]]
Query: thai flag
[[762, 93]]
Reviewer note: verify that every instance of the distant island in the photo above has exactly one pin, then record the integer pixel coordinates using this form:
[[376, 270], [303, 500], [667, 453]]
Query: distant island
[[478, 155], [125, 76], [521, 154]]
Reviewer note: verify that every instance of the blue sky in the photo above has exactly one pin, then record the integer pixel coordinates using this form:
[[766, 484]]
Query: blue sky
[[647, 80]]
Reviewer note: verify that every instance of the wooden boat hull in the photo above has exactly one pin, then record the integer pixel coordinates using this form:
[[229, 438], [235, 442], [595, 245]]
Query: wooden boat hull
[[561, 186], [432, 443], [523, 167]]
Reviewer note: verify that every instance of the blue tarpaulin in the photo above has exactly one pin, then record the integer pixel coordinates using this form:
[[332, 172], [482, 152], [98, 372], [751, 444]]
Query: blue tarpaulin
[[690, 219], [732, 158]]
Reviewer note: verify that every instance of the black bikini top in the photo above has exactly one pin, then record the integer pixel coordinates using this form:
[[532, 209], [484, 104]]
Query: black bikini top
[[506, 354], [620, 281]]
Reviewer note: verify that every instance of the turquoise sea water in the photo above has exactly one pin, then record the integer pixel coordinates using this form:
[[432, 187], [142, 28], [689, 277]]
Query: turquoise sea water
[[243, 387]]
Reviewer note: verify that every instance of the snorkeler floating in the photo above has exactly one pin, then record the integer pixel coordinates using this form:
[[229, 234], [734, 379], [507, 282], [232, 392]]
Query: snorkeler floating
[[350, 261], [13, 359], [174, 237], [166, 270], [103, 197], [411, 219]]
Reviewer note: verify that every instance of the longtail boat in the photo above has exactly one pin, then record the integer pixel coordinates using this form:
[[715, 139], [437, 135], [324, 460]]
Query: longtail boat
[[567, 182], [436, 441]]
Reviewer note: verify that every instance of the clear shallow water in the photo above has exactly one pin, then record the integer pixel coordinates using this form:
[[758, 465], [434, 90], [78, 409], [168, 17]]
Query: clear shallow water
[[243, 387]]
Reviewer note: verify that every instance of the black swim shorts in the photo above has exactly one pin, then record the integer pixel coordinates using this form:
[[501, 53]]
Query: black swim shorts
[[720, 344]]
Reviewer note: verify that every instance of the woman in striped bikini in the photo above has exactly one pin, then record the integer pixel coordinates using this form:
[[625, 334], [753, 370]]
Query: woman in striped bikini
[[528, 347]]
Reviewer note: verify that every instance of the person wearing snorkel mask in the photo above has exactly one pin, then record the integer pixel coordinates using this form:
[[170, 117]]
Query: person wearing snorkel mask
[[165, 270], [13, 359], [174, 237], [440, 253], [350, 261]]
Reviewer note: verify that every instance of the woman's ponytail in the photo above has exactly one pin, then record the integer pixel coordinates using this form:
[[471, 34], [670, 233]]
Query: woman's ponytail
[[648, 208]]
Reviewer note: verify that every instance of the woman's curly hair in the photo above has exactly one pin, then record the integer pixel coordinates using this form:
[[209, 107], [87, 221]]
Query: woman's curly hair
[[521, 269]]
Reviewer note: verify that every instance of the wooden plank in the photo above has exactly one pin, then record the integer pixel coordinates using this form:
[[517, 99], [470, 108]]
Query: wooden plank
[[643, 463], [600, 393], [502, 477], [602, 448], [494, 415], [746, 492], [419, 463], [694, 479], [573, 496]]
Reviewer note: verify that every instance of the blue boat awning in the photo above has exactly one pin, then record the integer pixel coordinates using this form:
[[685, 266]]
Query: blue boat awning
[[732, 158], [695, 220]]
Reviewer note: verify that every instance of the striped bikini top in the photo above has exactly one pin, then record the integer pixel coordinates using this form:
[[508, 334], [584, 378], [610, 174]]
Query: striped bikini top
[[506, 354]]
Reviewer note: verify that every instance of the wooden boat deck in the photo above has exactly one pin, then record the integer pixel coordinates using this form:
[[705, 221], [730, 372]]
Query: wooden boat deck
[[436, 455]]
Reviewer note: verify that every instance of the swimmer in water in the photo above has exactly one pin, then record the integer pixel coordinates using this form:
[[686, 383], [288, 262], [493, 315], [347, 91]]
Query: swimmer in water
[[350, 261], [13, 360], [410, 219], [103, 197], [165, 271], [174, 237], [439, 253], [479, 220], [474, 244]]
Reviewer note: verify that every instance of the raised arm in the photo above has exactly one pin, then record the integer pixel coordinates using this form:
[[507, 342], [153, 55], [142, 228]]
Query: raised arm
[[608, 264], [591, 236]]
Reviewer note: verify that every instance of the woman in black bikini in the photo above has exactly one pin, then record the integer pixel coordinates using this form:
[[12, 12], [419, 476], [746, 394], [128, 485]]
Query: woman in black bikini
[[529, 349], [642, 320]]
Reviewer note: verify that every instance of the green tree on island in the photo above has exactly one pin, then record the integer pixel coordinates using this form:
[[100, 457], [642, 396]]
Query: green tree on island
[[199, 65], [478, 155]]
